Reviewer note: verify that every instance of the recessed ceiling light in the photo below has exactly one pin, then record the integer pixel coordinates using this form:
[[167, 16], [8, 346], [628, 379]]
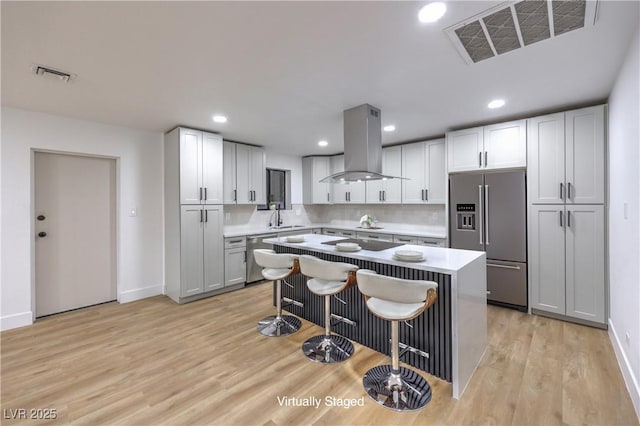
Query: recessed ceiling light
[[432, 12], [496, 103], [219, 118], [389, 128], [323, 143]]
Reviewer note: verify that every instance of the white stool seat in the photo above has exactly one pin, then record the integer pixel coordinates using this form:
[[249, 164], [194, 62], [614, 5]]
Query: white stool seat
[[324, 287], [270, 259], [394, 311], [275, 274]]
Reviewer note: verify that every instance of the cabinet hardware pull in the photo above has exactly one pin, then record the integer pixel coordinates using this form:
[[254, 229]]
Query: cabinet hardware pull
[[503, 266], [206, 215], [485, 158], [379, 195], [245, 256], [384, 195], [479, 159], [422, 194], [426, 195], [569, 218], [200, 193], [486, 213], [480, 212], [561, 225], [205, 193], [327, 196], [346, 196], [235, 241], [561, 191], [201, 216], [569, 190], [235, 195]]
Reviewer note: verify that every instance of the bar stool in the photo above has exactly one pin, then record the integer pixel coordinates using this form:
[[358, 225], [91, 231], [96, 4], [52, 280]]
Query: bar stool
[[395, 299], [327, 279], [276, 268]]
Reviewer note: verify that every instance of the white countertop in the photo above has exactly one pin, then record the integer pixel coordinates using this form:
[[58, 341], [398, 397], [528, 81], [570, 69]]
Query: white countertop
[[242, 230], [437, 259]]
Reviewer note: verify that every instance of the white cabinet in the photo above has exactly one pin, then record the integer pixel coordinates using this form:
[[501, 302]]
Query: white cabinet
[[498, 146], [314, 191], [244, 174], [566, 157], [201, 250], [338, 232], [346, 193], [235, 261], [566, 260], [387, 191], [200, 166], [423, 166]]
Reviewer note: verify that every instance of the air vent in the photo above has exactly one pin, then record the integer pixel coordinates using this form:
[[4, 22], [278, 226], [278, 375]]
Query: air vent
[[513, 25], [52, 73]]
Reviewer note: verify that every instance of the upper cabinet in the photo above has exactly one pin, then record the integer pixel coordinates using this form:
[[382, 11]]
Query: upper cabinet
[[314, 169], [244, 174], [200, 165], [498, 146], [566, 157], [423, 167], [346, 193], [387, 191]]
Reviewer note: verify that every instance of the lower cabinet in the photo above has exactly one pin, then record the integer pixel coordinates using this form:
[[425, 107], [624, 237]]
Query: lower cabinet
[[201, 250], [376, 236], [566, 260], [235, 261], [338, 232], [419, 241]]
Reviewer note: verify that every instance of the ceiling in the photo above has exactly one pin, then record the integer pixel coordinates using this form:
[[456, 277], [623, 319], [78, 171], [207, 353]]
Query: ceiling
[[283, 72]]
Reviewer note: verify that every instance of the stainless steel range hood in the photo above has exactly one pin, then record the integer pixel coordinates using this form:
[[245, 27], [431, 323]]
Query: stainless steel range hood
[[362, 146]]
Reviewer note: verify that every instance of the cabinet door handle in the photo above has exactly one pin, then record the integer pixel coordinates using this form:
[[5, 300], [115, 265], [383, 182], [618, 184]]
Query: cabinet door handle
[[379, 195], [480, 212], [479, 159], [205, 193], [569, 190], [206, 215], [422, 194], [486, 213], [426, 195], [235, 195], [346, 196], [561, 191], [200, 193], [495, 265], [569, 218], [485, 158], [384, 195], [561, 224], [327, 196], [201, 216]]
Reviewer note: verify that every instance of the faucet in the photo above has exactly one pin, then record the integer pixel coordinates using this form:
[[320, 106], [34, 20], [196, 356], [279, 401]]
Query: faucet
[[278, 221]]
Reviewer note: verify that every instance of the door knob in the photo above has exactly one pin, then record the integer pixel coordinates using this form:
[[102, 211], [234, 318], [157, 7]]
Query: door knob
[[41, 217], [42, 234]]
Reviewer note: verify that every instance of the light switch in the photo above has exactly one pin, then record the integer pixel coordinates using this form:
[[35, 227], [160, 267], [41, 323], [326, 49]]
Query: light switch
[[133, 212]]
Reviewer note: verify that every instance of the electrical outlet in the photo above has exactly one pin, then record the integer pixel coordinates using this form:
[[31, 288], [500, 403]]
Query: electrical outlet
[[133, 212]]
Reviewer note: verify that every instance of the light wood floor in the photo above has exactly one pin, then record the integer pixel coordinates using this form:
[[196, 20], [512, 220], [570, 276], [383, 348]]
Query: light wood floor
[[153, 362]]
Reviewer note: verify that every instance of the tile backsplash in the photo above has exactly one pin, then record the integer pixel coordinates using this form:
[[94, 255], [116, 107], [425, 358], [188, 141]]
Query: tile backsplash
[[429, 218]]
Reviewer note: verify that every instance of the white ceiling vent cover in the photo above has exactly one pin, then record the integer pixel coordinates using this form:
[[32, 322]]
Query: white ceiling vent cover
[[52, 73], [513, 25]]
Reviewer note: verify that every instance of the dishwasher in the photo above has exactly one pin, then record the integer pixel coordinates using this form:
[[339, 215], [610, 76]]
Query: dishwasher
[[254, 271]]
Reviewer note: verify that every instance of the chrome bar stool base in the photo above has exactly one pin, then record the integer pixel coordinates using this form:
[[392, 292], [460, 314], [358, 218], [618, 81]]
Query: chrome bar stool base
[[327, 349], [274, 326], [405, 391]]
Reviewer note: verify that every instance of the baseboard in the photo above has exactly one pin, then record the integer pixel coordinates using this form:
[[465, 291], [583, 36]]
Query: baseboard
[[16, 320], [627, 373], [140, 293]]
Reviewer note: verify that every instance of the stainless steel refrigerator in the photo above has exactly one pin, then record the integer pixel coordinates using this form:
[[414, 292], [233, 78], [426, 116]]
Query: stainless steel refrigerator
[[488, 213]]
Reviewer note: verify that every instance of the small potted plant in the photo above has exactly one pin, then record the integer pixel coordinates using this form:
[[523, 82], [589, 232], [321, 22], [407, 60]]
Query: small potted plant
[[366, 221]]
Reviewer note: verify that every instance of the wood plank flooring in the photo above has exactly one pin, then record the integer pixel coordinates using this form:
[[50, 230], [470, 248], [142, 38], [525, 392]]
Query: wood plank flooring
[[153, 362]]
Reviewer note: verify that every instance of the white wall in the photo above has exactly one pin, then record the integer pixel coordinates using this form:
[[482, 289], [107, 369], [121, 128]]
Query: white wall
[[624, 233], [140, 241], [276, 160]]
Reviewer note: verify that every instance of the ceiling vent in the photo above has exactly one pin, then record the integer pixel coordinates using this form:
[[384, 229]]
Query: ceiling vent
[[513, 25], [52, 73]]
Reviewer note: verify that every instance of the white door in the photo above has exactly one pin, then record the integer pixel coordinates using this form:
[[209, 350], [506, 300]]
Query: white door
[[191, 250], [229, 170], [75, 232], [190, 166], [585, 155], [547, 258], [505, 145], [235, 266], [243, 163], [413, 165], [436, 175], [585, 263], [213, 254], [464, 149], [212, 168], [339, 191], [392, 166], [258, 176], [546, 183]]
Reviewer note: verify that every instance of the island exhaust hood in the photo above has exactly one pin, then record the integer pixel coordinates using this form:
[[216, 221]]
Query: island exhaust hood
[[362, 147]]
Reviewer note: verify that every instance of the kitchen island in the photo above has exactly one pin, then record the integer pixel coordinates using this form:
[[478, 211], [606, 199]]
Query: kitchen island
[[447, 341]]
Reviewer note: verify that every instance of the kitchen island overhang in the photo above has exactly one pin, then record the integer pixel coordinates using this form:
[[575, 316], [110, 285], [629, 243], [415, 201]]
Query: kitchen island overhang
[[448, 340]]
